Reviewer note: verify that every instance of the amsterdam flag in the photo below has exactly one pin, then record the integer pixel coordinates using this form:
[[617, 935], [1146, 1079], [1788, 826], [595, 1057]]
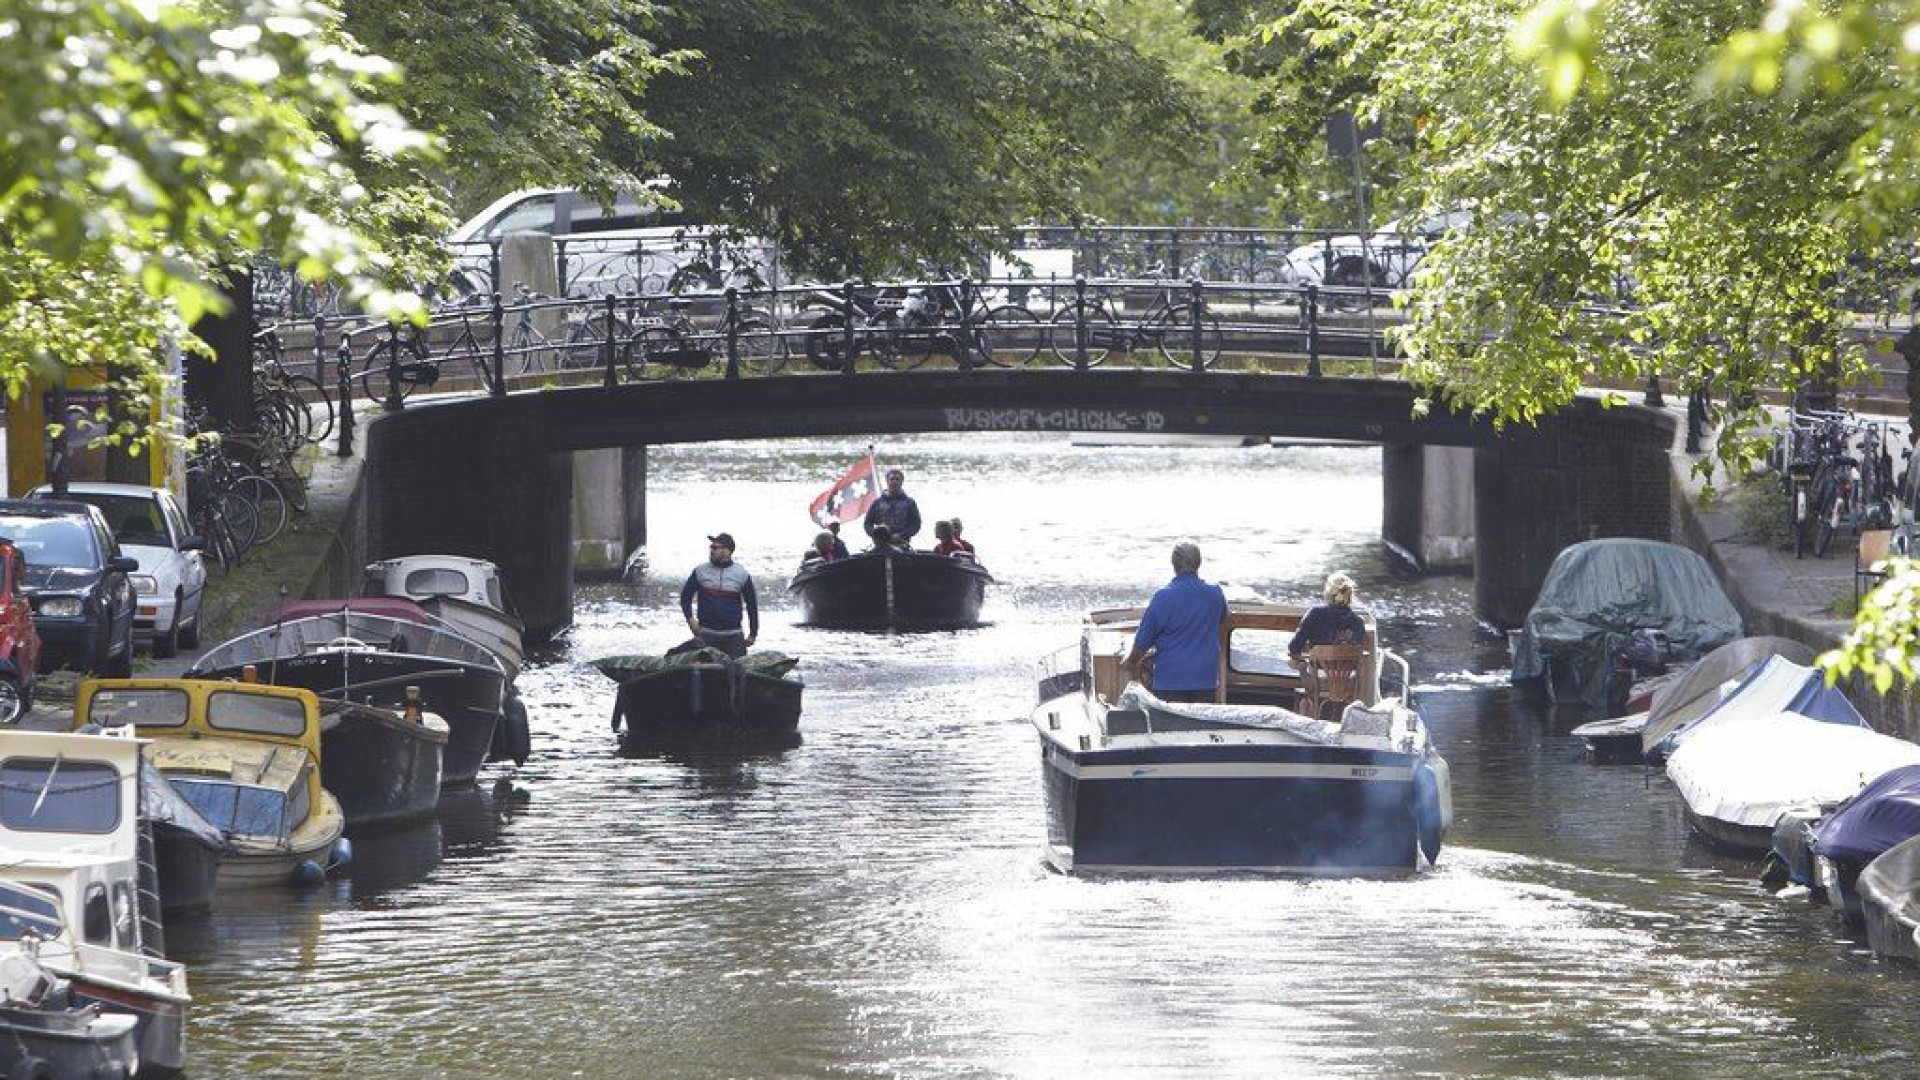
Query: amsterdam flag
[[849, 497]]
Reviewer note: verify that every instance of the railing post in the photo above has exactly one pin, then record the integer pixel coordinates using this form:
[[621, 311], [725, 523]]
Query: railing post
[[613, 323], [1173, 253], [499, 347], [846, 328], [1195, 302], [393, 402], [1080, 322], [963, 351], [1655, 399], [559, 269], [1310, 315], [493, 264], [733, 332], [320, 349], [345, 389]]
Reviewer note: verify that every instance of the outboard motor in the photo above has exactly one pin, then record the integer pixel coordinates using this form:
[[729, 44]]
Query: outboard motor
[[1645, 654]]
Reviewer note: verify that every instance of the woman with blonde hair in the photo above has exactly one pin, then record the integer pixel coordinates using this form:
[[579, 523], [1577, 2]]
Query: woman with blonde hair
[[1333, 622]]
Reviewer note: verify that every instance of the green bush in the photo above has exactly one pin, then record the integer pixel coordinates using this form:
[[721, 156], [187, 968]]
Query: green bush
[[1762, 506]]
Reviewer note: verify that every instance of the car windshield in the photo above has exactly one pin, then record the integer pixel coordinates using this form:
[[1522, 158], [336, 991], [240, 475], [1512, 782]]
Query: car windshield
[[56, 541], [134, 519], [236, 809]]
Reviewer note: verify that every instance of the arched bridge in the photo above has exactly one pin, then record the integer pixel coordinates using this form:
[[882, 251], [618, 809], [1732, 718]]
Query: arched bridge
[[491, 475]]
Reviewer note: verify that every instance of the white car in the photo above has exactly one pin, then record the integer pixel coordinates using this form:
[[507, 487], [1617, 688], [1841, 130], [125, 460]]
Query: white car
[[172, 580], [1386, 261]]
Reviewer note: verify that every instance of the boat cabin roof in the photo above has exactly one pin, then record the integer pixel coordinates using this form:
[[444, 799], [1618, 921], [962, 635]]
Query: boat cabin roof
[[242, 733], [66, 798], [422, 577]]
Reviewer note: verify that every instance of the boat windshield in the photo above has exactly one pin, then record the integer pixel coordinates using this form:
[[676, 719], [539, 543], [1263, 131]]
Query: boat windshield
[[236, 809], [436, 581], [57, 795], [257, 714], [155, 707], [28, 910], [1260, 652]]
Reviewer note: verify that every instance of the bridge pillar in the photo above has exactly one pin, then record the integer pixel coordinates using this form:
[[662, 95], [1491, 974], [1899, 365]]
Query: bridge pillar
[[1582, 475], [1428, 506], [609, 510], [502, 495]]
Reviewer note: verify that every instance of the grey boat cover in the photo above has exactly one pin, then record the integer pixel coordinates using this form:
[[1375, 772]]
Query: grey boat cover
[[1258, 717], [1776, 685], [1890, 894], [1696, 692], [1599, 592], [161, 802], [1750, 773], [773, 665]]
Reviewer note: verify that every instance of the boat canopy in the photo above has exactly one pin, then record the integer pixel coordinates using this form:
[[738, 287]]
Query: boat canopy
[[1702, 686], [160, 801], [393, 607], [1885, 813], [1599, 592], [1750, 773], [1776, 685], [344, 629]]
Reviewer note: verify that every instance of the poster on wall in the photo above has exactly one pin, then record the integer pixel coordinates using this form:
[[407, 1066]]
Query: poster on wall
[[78, 452]]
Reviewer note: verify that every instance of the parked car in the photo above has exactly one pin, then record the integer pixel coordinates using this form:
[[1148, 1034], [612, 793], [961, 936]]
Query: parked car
[[77, 581], [623, 249], [171, 585], [1386, 261], [19, 641]]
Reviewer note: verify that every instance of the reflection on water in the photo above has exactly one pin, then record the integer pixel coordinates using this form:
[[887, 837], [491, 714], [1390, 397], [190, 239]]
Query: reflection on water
[[872, 902]]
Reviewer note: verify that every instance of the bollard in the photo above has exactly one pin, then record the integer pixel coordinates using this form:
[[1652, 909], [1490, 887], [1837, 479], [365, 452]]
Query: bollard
[[1655, 399], [393, 401], [1080, 322], [733, 332], [1195, 307], [1310, 315], [846, 328], [499, 387], [606, 357], [346, 401]]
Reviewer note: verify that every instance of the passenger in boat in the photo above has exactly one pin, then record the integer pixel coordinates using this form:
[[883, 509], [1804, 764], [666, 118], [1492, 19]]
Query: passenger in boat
[[1332, 622], [943, 539], [839, 546], [896, 510], [1181, 627], [826, 548], [724, 591], [960, 542]]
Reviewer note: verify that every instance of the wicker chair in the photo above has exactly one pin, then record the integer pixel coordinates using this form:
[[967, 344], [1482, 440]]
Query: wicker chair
[[1330, 679]]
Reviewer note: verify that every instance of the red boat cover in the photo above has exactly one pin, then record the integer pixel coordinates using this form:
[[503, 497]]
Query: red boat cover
[[392, 607]]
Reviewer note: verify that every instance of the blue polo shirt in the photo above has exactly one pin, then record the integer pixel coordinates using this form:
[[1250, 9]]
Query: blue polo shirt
[[1183, 622]]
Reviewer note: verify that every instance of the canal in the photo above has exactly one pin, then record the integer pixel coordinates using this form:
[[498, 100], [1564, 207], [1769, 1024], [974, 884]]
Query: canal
[[873, 903]]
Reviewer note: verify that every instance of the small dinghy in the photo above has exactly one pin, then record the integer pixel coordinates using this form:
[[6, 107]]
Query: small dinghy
[[706, 696], [1706, 684], [1738, 779], [889, 589], [1865, 827], [1890, 901]]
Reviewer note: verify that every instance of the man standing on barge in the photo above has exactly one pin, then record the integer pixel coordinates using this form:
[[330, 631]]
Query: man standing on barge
[[724, 591]]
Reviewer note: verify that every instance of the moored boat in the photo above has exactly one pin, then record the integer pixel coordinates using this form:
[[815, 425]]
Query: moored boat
[[464, 592], [708, 697], [73, 878], [186, 847], [46, 1034], [1882, 816], [1890, 901], [383, 764], [888, 588], [353, 654], [1739, 778], [247, 756], [1134, 784]]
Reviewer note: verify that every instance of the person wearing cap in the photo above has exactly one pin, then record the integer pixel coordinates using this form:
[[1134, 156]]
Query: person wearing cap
[[896, 510], [1181, 626], [1330, 623], [723, 591]]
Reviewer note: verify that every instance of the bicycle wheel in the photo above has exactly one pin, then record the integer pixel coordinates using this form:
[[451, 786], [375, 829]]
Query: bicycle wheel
[[1011, 337], [651, 345], [314, 401], [909, 342], [1080, 331], [411, 361], [242, 519], [482, 361], [277, 417], [531, 346], [762, 350], [827, 340], [1172, 334], [270, 507], [584, 348]]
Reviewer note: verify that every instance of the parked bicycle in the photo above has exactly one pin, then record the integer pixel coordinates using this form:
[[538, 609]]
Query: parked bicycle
[[1179, 327], [298, 405], [405, 360], [666, 342]]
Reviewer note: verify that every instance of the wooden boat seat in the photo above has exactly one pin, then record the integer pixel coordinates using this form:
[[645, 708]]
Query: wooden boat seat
[[1330, 679]]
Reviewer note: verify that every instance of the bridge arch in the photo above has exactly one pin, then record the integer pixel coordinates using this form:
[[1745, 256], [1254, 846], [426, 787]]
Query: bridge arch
[[491, 476]]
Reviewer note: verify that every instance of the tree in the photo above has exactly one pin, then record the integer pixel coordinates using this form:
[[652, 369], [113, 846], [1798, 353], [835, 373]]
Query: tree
[[147, 144]]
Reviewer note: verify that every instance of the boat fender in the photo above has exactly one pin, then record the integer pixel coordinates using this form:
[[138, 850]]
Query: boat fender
[[30, 1068], [1428, 815], [342, 855], [308, 872], [519, 730]]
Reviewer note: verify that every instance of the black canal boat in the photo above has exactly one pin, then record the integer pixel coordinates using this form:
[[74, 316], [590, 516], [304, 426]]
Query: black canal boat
[[706, 697], [889, 589]]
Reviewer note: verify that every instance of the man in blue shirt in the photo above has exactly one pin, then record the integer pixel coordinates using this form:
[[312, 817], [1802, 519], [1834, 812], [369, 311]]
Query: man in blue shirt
[[1182, 629], [896, 510]]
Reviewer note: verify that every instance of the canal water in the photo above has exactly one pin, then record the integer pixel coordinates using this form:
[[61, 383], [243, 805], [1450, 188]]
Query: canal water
[[873, 903]]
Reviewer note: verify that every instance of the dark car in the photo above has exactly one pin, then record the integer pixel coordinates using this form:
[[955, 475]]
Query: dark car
[[76, 580]]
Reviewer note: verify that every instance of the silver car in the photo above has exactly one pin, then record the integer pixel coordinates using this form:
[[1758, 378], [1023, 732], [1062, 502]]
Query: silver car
[[172, 580]]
